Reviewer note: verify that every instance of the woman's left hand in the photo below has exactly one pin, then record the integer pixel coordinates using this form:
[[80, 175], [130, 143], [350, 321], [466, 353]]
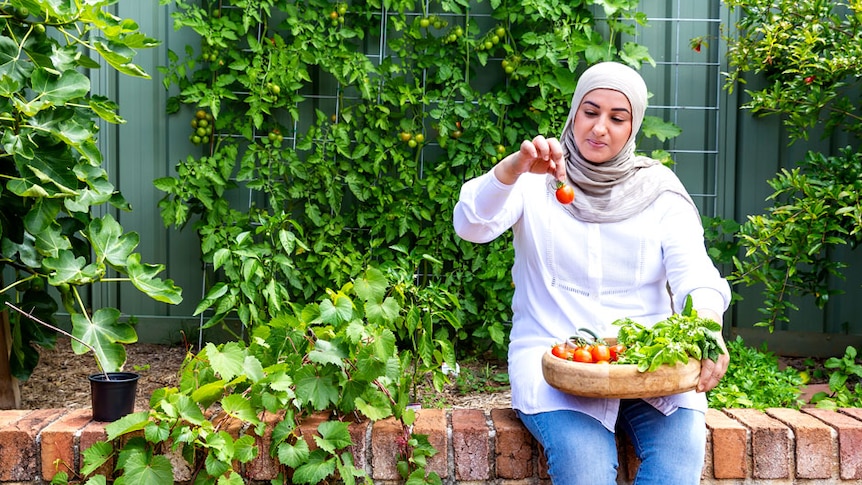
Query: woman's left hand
[[712, 371]]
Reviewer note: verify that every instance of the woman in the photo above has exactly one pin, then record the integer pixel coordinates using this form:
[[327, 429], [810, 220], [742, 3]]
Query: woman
[[629, 245]]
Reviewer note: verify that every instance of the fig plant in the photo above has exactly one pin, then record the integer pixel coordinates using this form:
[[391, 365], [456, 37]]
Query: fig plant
[[54, 243]]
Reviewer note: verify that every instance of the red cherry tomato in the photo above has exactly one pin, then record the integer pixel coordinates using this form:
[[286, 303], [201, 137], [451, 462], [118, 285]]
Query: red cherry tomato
[[616, 351], [565, 193], [600, 352], [559, 350], [582, 354]]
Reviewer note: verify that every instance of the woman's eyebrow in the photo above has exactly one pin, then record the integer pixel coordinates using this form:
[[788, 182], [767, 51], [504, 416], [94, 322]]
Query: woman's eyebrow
[[624, 110]]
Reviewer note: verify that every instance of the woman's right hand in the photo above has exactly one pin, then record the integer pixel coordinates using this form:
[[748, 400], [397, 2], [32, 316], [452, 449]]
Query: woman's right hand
[[539, 155]]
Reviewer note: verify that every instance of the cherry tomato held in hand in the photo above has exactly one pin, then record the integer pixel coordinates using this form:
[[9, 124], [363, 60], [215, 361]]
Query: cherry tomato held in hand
[[565, 193]]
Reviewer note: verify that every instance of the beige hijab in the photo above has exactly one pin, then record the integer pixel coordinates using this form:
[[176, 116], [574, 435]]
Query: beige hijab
[[626, 184]]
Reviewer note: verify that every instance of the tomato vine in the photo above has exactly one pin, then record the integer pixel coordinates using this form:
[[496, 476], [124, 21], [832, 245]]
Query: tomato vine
[[379, 112]]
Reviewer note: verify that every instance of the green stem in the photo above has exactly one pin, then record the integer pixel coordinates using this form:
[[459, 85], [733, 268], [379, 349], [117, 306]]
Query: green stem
[[59, 330]]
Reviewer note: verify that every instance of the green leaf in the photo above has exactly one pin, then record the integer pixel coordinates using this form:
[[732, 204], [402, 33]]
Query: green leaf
[[245, 449], [382, 313], [376, 407], [326, 353], [228, 360], [12, 66], [658, 128], [109, 242], [143, 276], [316, 469], [105, 334], [57, 91], [127, 424], [293, 455], [372, 286], [319, 390], [333, 436], [95, 456], [139, 470], [119, 57], [232, 478], [239, 407]]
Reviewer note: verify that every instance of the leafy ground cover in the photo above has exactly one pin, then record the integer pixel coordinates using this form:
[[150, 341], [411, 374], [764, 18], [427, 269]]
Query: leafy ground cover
[[61, 382], [481, 383]]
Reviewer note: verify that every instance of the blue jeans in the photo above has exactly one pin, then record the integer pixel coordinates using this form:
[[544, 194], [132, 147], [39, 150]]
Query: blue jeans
[[581, 451]]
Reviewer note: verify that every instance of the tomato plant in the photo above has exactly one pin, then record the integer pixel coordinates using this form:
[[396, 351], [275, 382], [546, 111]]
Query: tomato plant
[[377, 162]]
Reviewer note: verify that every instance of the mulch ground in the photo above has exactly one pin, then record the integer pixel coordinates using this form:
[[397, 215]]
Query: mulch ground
[[60, 379]]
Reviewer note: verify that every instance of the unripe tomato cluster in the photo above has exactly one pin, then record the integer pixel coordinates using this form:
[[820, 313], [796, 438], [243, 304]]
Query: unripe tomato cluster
[[500, 153], [412, 140], [208, 52], [580, 350], [275, 137], [202, 128], [510, 65], [432, 21], [336, 16], [491, 39]]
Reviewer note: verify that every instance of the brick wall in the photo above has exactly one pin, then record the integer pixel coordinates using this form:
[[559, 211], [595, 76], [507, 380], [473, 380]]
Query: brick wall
[[744, 447]]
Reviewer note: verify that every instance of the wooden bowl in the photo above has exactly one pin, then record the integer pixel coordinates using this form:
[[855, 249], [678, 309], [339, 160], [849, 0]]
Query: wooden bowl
[[622, 381]]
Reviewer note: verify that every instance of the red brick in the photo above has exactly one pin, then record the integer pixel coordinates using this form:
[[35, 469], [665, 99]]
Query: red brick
[[849, 440], [729, 446], [223, 422], [387, 436], [543, 463], [816, 445], [513, 447], [263, 466], [308, 428], [7, 417], [58, 443], [855, 413], [470, 444], [432, 422], [358, 431], [19, 452], [771, 447], [92, 433]]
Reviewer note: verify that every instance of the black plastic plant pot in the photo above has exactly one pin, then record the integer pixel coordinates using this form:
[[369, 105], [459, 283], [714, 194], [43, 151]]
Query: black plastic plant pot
[[114, 397]]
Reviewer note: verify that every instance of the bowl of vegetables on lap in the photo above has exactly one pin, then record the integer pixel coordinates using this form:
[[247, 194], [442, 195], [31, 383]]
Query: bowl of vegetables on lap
[[641, 362]]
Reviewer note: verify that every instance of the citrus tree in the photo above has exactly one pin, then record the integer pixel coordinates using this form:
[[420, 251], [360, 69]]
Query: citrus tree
[[808, 52], [52, 241]]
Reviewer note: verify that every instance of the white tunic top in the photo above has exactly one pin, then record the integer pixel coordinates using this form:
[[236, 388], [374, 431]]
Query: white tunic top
[[571, 274]]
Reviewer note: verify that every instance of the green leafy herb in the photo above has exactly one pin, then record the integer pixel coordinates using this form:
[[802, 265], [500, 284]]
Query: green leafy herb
[[671, 341]]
